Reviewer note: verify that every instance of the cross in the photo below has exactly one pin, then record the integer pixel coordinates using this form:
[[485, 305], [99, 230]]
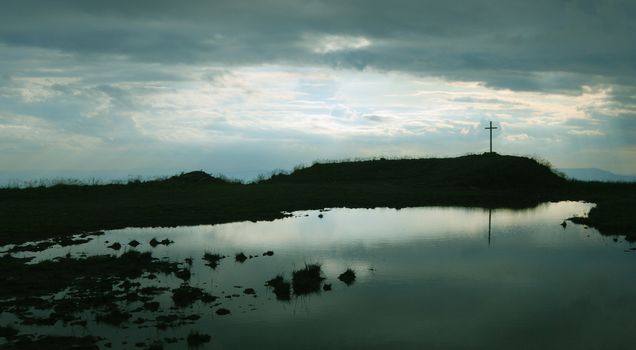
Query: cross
[[490, 128]]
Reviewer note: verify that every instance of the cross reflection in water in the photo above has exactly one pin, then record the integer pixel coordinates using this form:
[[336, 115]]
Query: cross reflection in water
[[489, 223]]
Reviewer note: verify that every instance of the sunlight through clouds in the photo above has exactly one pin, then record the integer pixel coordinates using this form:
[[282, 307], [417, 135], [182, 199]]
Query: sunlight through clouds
[[332, 43], [285, 82], [361, 113]]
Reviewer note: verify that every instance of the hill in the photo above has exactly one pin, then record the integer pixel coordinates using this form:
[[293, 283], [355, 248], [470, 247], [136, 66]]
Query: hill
[[594, 174], [481, 171], [488, 180]]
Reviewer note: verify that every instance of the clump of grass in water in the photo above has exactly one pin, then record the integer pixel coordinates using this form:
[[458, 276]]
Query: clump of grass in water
[[113, 316], [154, 242], [183, 274], [212, 259], [196, 339], [187, 295], [282, 288], [240, 257], [307, 280], [223, 312], [348, 277]]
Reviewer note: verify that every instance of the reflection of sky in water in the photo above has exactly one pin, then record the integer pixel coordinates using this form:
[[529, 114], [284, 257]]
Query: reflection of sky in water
[[427, 277]]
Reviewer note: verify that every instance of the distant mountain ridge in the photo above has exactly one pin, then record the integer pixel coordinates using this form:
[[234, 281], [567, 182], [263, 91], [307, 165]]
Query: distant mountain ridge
[[595, 174]]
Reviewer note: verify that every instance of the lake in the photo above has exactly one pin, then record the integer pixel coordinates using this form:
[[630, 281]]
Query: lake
[[433, 277]]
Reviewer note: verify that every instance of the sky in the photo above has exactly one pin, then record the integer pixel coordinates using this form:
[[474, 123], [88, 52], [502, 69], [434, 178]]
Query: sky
[[113, 89]]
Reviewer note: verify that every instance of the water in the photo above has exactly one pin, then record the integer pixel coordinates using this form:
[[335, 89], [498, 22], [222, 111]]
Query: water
[[425, 278]]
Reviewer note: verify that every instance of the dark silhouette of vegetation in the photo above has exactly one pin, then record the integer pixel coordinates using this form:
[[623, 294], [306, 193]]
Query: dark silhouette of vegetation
[[51, 276], [281, 287], [223, 312], [53, 343], [196, 339], [307, 280], [487, 180], [348, 277], [186, 295], [183, 274], [97, 284], [154, 242], [240, 257], [212, 259]]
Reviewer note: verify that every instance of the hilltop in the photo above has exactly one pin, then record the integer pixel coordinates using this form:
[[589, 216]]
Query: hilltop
[[487, 180], [481, 171]]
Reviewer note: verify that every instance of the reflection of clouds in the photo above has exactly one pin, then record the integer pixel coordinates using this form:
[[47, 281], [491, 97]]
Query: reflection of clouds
[[345, 230], [371, 227]]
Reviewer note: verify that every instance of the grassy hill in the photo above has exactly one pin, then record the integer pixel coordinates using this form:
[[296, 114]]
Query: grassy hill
[[487, 180], [481, 171]]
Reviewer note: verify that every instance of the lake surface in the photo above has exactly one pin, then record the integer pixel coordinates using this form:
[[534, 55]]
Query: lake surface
[[425, 278]]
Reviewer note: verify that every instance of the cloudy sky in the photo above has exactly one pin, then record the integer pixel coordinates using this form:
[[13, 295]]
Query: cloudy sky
[[117, 88]]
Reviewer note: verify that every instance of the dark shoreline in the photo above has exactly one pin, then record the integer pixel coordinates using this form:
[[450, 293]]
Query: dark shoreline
[[487, 181]]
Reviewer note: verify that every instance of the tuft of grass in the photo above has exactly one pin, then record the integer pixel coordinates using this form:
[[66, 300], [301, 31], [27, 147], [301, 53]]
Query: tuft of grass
[[186, 295], [154, 242], [196, 339], [212, 259], [240, 257], [348, 277], [223, 312], [282, 288], [307, 280]]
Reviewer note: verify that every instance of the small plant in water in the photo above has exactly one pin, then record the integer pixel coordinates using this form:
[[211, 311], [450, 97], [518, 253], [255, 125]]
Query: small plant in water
[[307, 280], [187, 295], [154, 242], [212, 259], [196, 339], [348, 277], [222, 312], [240, 257], [282, 288]]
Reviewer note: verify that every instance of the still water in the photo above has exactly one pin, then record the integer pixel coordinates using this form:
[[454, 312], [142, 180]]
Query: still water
[[451, 278]]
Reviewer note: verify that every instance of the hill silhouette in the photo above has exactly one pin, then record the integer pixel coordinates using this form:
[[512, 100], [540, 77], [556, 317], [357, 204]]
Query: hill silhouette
[[482, 171], [487, 180], [194, 177], [594, 174]]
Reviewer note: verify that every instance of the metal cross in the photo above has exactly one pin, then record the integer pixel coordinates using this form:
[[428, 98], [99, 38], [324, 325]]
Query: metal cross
[[490, 128]]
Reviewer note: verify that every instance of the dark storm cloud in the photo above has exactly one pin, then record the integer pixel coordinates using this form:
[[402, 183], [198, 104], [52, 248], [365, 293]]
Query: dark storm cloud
[[504, 43]]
